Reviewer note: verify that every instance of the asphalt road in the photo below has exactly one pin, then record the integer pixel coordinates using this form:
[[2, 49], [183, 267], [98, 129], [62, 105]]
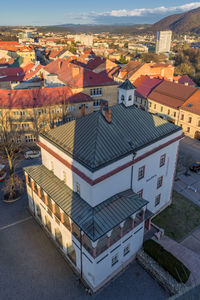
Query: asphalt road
[[191, 148], [32, 268]]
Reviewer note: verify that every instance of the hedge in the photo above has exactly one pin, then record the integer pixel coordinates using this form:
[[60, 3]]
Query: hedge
[[166, 260]]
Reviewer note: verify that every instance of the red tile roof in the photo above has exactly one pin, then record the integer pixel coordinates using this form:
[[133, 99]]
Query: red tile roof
[[171, 94], [193, 103], [11, 74], [184, 79], [34, 97], [80, 97], [9, 43], [82, 78], [145, 85], [31, 71], [95, 62]]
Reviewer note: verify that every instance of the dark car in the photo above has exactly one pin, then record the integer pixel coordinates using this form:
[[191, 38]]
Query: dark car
[[195, 167]]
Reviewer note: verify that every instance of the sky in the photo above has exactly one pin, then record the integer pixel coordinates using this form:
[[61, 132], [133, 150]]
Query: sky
[[56, 12]]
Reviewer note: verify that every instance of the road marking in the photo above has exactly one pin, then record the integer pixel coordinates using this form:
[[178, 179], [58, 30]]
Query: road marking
[[15, 223]]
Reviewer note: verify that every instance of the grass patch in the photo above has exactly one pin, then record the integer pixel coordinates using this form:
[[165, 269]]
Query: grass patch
[[180, 218]]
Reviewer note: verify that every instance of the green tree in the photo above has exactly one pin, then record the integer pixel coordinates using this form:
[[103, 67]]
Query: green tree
[[185, 69], [126, 45]]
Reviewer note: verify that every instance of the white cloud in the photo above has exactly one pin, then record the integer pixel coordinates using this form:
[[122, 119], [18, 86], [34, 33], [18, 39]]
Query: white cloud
[[94, 17], [156, 10]]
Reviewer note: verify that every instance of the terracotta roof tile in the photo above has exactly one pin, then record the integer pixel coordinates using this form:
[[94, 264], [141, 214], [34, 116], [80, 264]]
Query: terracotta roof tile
[[171, 94], [193, 103], [34, 97]]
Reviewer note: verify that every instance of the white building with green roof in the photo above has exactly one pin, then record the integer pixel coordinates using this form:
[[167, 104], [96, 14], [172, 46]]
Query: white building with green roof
[[102, 178]]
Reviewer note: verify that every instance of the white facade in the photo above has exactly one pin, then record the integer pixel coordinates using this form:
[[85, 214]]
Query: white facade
[[101, 191], [126, 96], [95, 271], [163, 41], [100, 260]]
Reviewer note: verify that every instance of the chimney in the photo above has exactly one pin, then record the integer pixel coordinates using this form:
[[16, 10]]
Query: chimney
[[106, 111], [75, 71], [59, 65]]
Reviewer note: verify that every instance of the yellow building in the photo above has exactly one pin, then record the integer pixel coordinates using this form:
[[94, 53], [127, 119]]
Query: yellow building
[[189, 118], [30, 112]]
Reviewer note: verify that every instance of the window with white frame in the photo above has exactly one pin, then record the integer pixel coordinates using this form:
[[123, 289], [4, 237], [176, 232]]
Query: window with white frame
[[97, 103], [141, 172], [96, 92], [126, 249], [115, 259], [78, 188]]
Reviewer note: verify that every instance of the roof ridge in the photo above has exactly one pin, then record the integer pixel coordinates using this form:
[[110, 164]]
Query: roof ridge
[[94, 154]]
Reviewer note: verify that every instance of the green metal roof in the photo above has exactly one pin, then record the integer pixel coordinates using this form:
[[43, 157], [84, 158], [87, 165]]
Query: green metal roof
[[94, 142], [127, 85], [94, 221]]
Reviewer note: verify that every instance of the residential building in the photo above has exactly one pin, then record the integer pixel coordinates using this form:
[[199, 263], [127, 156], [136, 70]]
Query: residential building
[[163, 41], [84, 39], [31, 111], [189, 117], [134, 69], [162, 97], [101, 180], [140, 48], [80, 79]]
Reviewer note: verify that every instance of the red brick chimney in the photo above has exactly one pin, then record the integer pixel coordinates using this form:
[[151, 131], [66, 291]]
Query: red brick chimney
[[83, 110], [106, 111]]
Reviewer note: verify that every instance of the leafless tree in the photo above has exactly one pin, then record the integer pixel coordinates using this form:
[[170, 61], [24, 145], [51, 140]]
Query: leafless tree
[[11, 153]]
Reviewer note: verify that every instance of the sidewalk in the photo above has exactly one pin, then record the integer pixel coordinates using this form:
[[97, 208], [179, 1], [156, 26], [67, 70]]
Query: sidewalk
[[190, 259]]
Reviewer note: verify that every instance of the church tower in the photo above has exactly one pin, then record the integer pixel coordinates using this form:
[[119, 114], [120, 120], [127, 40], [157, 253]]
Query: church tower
[[126, 93]]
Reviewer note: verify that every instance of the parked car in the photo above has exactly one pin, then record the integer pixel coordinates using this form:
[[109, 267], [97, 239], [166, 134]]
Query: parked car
[[195, 167], [192, 188], [32, 154]]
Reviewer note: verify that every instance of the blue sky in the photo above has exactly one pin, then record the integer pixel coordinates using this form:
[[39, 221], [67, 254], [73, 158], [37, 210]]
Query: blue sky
[[54, 12]]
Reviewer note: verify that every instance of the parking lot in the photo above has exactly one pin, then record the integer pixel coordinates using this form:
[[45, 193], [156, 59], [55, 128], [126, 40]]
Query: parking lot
[[32, 267]]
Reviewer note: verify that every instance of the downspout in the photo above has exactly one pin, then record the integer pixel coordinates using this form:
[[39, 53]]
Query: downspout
[[134, 155], [81, 273]]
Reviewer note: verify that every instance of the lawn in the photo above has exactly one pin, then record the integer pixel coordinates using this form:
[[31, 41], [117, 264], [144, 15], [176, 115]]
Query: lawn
[[180, 218]]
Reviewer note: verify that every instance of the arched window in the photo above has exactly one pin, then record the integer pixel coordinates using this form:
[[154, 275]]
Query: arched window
[[122, 98], [130, 98]]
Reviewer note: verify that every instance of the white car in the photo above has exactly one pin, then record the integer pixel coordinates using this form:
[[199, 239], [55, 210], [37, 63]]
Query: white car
[[32, 154]]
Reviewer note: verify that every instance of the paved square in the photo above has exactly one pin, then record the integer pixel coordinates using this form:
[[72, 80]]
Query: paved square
[[33, 268]]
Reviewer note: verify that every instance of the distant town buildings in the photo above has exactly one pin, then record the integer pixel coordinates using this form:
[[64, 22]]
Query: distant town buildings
[[163, 41], [84, 39]]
